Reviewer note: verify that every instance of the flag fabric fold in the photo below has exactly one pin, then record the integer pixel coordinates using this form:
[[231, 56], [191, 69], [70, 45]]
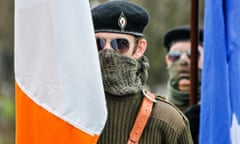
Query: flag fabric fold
[[220, 99], [59, 91]]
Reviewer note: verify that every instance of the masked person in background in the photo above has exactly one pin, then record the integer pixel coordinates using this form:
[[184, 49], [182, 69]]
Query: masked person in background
[[178, 45], [119, 27]]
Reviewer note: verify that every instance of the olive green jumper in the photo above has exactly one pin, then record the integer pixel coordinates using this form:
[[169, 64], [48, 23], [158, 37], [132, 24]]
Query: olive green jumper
[[165, 125]]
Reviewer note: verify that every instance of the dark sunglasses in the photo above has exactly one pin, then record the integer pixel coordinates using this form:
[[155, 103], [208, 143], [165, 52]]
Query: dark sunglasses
[[120, 45], [176, 55]]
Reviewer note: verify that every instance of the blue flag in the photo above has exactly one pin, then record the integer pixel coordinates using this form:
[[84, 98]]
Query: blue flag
[[220, 100]]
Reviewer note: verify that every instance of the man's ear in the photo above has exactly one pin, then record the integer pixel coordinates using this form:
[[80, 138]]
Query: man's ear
[[200, 61], [167, 61], [141, 48]]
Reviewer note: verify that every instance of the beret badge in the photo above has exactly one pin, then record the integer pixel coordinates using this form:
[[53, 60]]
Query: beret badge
[[122, 21]]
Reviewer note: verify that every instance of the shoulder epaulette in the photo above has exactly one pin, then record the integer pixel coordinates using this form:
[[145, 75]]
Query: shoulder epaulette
[[160, 97], [165, 100]]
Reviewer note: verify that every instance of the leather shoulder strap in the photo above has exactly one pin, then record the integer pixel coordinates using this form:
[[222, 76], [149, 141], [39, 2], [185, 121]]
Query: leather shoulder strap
[[142, 117]]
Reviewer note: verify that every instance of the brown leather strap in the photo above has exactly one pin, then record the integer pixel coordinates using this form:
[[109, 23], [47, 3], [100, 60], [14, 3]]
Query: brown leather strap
[[142, 117]]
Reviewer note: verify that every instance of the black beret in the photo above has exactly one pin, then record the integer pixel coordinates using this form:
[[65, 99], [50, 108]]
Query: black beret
[[180, 33], [120, 17]]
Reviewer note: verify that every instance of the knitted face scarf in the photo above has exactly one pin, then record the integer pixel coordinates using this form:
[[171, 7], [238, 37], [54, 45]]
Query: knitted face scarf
[[177, 97], [122, 75]]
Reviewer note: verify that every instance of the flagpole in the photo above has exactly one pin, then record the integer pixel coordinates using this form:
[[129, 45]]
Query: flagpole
[[194, 57], [194, 52]]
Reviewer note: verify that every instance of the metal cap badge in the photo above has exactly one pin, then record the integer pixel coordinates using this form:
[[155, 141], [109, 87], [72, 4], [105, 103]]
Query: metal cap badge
[[122, 21]]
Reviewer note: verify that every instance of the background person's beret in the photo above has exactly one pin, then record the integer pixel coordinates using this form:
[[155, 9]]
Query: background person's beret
[[120, 17], [180, 33]]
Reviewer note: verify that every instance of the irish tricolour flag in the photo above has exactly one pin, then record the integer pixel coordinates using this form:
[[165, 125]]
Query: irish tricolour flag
[[59, 91]]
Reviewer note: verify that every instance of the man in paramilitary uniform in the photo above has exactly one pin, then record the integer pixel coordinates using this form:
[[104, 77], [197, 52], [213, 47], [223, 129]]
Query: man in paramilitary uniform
[[177, 41], [119, 27]]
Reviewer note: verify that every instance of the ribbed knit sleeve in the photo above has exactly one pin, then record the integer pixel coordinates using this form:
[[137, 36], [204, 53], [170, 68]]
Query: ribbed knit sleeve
[[185, 137]]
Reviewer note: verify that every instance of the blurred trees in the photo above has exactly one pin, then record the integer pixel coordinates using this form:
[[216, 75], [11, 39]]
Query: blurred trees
[[164, 14], [7, 119]]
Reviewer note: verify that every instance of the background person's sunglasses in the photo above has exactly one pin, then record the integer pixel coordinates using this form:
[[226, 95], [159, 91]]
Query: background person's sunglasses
[[120, 45], [176, 55]]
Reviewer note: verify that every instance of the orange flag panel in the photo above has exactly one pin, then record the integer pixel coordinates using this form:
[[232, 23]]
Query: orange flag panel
[[36, 125]]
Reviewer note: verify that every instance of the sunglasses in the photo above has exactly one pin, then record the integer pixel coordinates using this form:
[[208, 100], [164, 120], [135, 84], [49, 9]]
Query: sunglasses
[[120, 45], [176, 55]]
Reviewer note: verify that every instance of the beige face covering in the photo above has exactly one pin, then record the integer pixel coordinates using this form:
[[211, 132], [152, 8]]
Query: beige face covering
[[177, 97]]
